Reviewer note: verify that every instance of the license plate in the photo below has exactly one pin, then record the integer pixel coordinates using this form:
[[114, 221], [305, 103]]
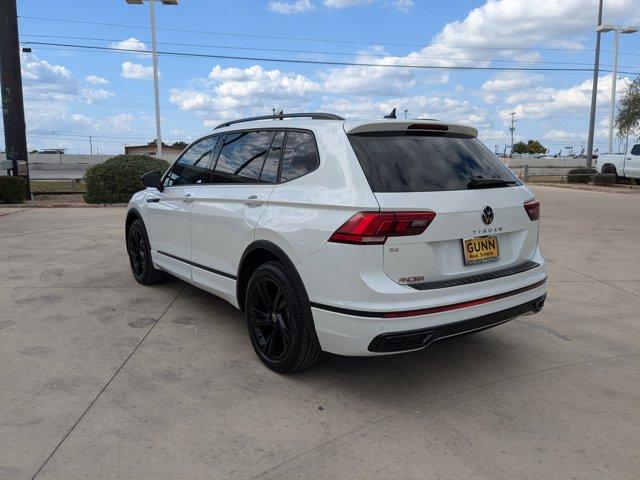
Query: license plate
[[480, 250]]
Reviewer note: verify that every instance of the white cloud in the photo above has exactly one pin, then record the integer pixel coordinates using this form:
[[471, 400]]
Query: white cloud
[[403, 5], [545, 102], [418, 106], [377, 80], [506, 81], [132, 43], [231, 92], [120, 122], [563, 136], [96, 80], [91, 94], [43, 80], [290, 8], [135, 71], [345, 3]]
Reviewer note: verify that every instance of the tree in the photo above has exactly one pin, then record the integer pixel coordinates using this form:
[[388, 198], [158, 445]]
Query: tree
[[628, 117], [180, 144], [532, 146]]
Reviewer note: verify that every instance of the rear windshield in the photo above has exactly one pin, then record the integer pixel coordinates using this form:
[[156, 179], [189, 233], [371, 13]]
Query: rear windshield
[[400, 162]]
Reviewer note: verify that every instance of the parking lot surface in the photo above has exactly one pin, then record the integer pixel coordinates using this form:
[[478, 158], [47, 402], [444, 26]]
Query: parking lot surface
[[104, 378]]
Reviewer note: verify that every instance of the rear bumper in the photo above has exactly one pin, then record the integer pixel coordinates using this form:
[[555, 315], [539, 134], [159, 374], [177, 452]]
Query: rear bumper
[[415, 339], [343, 333]]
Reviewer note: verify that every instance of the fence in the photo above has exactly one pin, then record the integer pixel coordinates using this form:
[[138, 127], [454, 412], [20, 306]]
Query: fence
[[529, 173]]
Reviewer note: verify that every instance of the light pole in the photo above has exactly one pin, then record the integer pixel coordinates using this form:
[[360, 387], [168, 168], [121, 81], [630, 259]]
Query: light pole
[[155, 64], [614, 75]]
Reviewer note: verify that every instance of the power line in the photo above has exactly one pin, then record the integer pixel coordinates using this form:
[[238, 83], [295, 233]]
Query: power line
[[321, 40], [312, 52], [281, 37], [319, 62]]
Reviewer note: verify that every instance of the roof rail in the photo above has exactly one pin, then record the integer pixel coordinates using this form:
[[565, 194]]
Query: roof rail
[[280, 116]]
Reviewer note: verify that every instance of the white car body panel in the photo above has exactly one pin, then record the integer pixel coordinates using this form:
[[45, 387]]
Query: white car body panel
[[215, 227]]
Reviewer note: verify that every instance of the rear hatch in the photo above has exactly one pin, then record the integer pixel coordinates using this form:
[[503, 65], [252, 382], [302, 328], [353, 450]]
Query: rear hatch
[[478, 202]]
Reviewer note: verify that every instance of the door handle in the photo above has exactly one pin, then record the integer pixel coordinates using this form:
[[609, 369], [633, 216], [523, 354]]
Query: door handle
[[153, 199], [252, 201], [188, 198]]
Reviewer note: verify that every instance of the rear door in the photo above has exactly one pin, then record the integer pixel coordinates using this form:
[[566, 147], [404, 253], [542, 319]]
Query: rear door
[[457, 177], [227, 209], [169, 210]]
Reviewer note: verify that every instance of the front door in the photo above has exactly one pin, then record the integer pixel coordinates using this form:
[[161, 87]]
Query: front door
[[169, 210]]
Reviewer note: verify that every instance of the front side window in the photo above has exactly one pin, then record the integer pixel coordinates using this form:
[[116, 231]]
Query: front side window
[[636, 149], [242, 156], [300, 156], [194, 166]]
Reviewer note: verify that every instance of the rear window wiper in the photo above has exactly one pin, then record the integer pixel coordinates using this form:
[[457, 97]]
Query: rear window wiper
[[480, 182]]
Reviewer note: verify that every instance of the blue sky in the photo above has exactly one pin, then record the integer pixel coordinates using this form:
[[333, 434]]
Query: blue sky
[[71, 93]]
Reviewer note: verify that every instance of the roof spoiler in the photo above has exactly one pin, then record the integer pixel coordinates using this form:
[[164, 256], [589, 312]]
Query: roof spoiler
[[411, 126]]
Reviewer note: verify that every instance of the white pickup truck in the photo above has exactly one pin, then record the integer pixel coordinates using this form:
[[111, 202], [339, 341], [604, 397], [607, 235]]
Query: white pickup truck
[[625, 166]]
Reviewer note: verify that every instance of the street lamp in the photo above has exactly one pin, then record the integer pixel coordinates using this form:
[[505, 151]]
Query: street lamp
[[155, 64], [604, 28]]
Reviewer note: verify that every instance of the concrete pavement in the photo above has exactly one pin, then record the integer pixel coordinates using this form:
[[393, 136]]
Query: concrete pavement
[[103, 378]]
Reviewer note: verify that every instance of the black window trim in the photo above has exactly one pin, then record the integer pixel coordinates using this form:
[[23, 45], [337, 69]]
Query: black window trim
[[223, 135], [182, 154], [216, 153]]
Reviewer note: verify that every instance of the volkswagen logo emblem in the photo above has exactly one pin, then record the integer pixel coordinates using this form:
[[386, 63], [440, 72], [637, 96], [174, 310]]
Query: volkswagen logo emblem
[[487, 215]]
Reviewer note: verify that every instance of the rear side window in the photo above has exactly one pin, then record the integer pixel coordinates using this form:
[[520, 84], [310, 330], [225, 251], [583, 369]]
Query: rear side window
[[194, 165], [242, 156], [300, 156], [397, 162]]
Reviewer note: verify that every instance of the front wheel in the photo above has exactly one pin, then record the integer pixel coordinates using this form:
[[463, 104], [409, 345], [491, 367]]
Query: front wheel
[[279, 320], [139, 251]]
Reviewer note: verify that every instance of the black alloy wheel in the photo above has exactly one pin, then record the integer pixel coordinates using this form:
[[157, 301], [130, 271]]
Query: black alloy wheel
[[279, 319], [270, 319], [140, 255]]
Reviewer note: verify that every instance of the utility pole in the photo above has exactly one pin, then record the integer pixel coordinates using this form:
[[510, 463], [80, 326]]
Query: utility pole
[[15, 136], [90, 145], [405, 113], [512, 129], [594, 91]]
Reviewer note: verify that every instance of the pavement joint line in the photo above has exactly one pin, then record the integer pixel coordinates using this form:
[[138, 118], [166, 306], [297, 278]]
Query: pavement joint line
[[107, 384], [447, 396], [597, 279]]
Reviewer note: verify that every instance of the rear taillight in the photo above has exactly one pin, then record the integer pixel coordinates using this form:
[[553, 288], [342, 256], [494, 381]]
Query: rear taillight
[[533, 209], [373, 228]]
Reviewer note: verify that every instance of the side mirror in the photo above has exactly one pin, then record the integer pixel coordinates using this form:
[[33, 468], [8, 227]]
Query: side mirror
[[152, 179]]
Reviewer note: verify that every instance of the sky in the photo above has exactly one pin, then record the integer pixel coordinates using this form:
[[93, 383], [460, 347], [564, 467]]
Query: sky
[[74, 92]]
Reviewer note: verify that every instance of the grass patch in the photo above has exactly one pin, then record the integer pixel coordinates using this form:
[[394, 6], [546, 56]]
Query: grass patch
[[58, 186]]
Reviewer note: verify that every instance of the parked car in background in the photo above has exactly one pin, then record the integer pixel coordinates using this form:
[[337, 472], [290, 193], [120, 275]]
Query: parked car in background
[[365, 237], [624, 166]]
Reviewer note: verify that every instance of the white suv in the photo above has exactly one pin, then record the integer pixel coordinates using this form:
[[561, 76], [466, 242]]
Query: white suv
[[351, 237]]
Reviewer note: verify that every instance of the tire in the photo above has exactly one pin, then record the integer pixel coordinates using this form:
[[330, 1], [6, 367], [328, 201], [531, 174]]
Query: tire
[[279, 319], [139, 251], [609, 168]]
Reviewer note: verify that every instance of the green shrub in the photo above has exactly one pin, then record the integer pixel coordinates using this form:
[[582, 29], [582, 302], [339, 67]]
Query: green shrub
[[115, 180], [580, 175], [12, 189]]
